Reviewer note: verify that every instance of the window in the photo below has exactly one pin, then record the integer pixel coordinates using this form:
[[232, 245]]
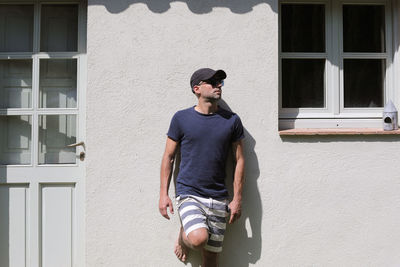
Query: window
[[42, 47], [335, 63]]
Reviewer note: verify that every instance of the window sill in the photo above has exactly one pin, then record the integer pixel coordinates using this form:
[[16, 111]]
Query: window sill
[[337, 131]]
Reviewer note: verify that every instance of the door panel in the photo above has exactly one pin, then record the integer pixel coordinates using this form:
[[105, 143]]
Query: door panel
[[57, 203], [13, 224]]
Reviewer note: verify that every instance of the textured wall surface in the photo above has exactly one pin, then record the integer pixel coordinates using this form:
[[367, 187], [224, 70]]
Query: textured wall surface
[[331, 201]]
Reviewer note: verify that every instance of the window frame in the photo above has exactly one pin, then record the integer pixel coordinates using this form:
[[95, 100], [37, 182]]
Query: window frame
[[334, 114]]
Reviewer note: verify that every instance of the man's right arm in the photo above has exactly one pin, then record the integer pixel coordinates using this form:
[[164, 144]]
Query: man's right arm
[[165, 177]]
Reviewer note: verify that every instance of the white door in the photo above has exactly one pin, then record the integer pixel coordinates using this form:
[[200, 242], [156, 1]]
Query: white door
[[42, 112]]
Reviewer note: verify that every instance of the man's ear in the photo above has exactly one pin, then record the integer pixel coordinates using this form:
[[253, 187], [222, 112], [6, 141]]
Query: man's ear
[[196, 89]]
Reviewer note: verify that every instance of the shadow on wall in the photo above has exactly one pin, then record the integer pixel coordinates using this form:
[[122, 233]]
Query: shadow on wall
[[195, 6], [242, 246]]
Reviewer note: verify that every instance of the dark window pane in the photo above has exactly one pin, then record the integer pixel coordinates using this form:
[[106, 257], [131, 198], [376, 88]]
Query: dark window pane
[[303, 28], [364, 82], [303, 83], [59, 28], [16, 28], [364, 28]]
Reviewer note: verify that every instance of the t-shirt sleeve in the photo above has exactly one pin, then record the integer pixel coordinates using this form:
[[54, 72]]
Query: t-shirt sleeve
[[238, 131], [174, 131]]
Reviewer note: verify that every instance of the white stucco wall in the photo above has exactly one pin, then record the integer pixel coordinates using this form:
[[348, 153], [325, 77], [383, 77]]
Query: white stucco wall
[[332, 201]]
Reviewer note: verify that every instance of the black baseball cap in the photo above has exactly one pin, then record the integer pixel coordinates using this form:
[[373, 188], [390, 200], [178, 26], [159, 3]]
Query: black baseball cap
[[206, 74]]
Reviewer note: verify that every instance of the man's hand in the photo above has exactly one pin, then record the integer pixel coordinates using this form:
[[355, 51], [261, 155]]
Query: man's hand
[[163, 205], [236, 210]]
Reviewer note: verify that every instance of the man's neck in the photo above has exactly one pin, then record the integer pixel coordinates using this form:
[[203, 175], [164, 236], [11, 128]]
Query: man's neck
[[207, 107]]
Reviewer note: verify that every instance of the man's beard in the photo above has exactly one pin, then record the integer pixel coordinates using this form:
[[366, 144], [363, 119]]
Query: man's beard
[[214, 98]]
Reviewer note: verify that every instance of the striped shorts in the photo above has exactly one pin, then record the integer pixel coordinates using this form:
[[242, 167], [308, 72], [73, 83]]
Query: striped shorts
[[197, 212]]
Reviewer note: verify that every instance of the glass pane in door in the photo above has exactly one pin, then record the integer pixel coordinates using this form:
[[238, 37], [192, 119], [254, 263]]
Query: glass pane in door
[[15, 83], [15, 140], [58, 83], [59, 28], [55, 133], [16, 28]]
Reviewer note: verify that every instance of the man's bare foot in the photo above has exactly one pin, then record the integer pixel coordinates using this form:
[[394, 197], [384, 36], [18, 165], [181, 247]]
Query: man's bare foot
[[180, 248]]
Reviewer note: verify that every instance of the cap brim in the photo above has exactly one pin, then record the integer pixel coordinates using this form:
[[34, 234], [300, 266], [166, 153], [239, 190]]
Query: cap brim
[[219, 75]]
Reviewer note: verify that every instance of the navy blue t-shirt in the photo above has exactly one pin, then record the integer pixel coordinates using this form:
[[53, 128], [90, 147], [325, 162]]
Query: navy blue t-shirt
[[205, 141]]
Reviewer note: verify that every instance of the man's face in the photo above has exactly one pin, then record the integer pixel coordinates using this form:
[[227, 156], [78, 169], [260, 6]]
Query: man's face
[[211, 90]]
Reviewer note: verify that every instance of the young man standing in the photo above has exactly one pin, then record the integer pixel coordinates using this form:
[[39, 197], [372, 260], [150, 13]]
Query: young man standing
[[205, 133]]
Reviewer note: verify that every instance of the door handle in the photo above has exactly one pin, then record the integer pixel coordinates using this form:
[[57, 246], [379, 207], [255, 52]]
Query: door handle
[[82, 154], [78, 144]]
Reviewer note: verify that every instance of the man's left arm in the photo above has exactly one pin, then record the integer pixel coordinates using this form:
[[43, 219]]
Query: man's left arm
[[236, 204]]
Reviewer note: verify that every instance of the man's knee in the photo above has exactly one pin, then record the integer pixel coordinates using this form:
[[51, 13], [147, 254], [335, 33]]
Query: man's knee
[[198, 238]]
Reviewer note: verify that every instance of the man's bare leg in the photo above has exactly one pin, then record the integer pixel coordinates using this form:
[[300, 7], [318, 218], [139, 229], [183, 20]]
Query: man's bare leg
[[181, 249], [210, 259]]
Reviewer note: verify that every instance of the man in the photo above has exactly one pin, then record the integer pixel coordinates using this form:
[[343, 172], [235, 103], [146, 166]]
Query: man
[[205, 133]]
